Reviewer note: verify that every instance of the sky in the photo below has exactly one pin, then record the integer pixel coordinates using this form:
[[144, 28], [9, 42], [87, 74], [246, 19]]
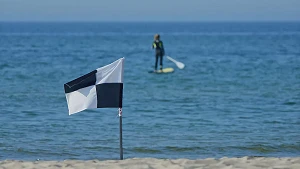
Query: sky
[[150, 10]]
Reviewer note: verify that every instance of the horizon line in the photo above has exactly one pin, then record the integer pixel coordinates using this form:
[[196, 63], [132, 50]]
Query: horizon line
[[150, 21]]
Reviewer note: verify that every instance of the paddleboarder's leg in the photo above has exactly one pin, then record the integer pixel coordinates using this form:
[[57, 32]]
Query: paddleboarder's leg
[[161, 61], [156, 61]]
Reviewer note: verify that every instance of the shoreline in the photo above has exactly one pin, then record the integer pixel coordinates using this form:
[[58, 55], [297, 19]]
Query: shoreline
[[145, 163]]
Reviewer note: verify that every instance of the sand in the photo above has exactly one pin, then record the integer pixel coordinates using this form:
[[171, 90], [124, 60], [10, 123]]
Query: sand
[[152, 163]]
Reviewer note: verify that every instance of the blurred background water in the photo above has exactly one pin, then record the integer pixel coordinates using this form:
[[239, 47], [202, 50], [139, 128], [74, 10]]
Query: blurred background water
[[239, 94]]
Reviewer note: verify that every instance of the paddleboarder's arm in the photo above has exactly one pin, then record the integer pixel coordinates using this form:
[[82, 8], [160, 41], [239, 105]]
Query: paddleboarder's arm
[[153, 45]]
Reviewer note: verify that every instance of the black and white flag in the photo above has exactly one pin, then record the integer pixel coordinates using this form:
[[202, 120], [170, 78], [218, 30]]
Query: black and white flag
[[101, 88]]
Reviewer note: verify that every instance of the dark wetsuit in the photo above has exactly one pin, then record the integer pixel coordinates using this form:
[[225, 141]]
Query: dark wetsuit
[[159, 52]]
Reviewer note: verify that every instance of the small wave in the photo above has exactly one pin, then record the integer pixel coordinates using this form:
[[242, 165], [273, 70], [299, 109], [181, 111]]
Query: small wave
[[30, 113], [182, 149], [4, 65], [290, 147], [273, 121], [145, 150], [39, 152], [260, 149], [22, 76], [270, 149], [289, 103], [99, 148]]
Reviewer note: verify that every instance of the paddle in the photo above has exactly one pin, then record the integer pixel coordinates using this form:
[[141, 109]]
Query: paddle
[[178, 64]]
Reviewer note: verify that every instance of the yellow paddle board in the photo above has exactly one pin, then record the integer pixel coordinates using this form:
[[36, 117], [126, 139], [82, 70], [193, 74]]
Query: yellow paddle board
[[165, 70]]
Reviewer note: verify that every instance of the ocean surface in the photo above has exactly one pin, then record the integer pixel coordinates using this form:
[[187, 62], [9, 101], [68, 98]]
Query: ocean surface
[[239, 94]]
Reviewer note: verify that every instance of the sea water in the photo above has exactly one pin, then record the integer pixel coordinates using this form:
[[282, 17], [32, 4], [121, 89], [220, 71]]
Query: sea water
[[239, 94]]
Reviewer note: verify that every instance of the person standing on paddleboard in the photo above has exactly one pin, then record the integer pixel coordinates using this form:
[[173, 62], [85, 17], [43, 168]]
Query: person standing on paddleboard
[[159, 51]]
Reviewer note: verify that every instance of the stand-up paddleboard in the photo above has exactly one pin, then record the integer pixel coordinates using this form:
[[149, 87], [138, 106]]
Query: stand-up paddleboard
[[165, 70]]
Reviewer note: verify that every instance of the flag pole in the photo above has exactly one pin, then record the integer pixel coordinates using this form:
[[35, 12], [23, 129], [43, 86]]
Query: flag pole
[[121, 144]]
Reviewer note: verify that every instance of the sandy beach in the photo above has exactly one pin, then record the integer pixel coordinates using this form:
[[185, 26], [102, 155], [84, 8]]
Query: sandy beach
[[145, 163]]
